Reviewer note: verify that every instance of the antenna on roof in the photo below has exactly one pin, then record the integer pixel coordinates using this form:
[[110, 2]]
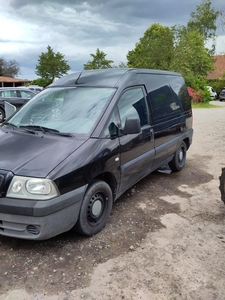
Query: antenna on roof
[[76, 82]]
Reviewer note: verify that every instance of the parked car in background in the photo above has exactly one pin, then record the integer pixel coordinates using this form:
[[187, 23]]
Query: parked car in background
[[213, 93], [222, 95], [15, 96], [35, 88]]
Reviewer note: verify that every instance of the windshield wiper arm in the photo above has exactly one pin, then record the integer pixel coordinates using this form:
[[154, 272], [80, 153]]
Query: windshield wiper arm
[[33, 128], [10, 124], [38, 127], [46, 129]]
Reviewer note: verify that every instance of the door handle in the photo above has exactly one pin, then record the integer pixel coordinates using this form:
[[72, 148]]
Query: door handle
[[151, 134]]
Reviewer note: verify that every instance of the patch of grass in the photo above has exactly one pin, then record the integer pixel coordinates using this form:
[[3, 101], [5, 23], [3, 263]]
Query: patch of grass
[[203, 105]]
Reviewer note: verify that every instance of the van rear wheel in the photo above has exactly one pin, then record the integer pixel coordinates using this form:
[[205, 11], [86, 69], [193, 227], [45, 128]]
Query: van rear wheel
[[179, 159], [95, 209]]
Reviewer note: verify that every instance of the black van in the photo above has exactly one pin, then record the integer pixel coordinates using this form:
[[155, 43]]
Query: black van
[[74, 148]]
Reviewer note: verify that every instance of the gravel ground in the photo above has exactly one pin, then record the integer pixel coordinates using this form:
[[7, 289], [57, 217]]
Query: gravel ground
[[165, 238]]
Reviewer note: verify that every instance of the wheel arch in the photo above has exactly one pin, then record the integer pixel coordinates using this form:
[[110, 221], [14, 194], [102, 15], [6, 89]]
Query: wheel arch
[[110, 179], [187, 142]]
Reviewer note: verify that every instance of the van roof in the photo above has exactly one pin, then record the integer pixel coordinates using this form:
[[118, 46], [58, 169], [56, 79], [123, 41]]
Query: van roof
[[104, 77]]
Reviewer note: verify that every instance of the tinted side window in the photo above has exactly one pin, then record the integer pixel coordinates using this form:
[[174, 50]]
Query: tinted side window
[[175, 82], [133, 104], [163, 103]]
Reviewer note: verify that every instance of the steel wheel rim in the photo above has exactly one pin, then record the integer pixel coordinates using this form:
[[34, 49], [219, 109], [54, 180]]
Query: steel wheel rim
[[96, 208], [181, 155]]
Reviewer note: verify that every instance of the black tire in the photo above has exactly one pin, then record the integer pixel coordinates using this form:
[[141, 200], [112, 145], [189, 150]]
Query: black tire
[[95, 209], [179, 159], [222, 185], [2, 115]]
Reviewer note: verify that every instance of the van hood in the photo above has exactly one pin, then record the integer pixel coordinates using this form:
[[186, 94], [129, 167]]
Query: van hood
[[34, 155]]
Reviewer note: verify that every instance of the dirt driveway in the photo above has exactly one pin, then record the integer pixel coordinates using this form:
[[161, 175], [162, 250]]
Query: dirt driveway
[[165, 238]]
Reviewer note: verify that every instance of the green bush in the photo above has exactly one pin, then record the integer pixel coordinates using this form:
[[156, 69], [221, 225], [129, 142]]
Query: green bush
[[205, 95], [199, 85], [41, 82]]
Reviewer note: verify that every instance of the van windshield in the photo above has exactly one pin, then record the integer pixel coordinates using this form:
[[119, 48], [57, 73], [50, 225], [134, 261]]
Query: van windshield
[[66, 110]]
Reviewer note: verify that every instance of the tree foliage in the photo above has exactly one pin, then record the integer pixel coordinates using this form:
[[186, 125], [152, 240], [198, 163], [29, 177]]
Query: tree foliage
[[9, 68], [154, 50], [204, 20], [40, 82], [98, 62], [190, 55], [180, 48], [51, 65]]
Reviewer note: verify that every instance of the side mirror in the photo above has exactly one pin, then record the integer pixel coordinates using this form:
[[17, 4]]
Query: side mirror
[[9, 109], [132, 126]]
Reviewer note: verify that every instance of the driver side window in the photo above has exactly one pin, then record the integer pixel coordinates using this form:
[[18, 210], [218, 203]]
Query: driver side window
[[133, 104]]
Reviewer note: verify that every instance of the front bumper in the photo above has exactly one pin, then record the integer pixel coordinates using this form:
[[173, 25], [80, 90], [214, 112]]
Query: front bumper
[[40, 220]]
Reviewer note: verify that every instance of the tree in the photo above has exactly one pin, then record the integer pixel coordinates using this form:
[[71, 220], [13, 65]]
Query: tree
[[98, 61], [154, 50], [204, 20], [51, 65], [190, 58], [9, 68], [40, 82]]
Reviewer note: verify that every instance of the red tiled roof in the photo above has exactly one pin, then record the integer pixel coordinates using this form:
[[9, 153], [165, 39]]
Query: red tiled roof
[[10, 79], [219, 67]]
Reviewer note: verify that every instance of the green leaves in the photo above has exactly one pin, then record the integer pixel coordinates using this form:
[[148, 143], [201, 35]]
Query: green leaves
[[204, 20], [190, 54], [154, 50], [179, 48], [51, 65], [98, 61]]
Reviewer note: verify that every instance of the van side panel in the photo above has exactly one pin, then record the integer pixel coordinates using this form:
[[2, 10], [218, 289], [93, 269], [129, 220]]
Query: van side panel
[[170, 113]]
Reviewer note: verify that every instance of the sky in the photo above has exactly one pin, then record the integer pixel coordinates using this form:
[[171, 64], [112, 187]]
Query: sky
[[77, 28]]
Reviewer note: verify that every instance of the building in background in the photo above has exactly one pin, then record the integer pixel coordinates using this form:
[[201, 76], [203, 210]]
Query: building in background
[[219, 70], [12, 82]]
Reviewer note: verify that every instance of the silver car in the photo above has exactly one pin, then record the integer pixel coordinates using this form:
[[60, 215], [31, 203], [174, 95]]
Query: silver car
[[15, 96]]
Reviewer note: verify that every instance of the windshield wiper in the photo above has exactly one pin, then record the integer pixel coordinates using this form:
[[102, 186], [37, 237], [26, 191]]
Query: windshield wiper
[[46, 129], [38, 128], [10, 124]]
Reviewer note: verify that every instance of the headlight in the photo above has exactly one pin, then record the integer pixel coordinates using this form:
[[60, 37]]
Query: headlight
[[32, 188]]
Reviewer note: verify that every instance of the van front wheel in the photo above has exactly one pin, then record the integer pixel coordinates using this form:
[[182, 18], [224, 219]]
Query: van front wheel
[[178, 161], [95, 209]]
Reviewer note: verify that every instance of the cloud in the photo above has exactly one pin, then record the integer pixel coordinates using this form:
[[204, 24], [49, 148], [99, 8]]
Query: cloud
[[78, 28]]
